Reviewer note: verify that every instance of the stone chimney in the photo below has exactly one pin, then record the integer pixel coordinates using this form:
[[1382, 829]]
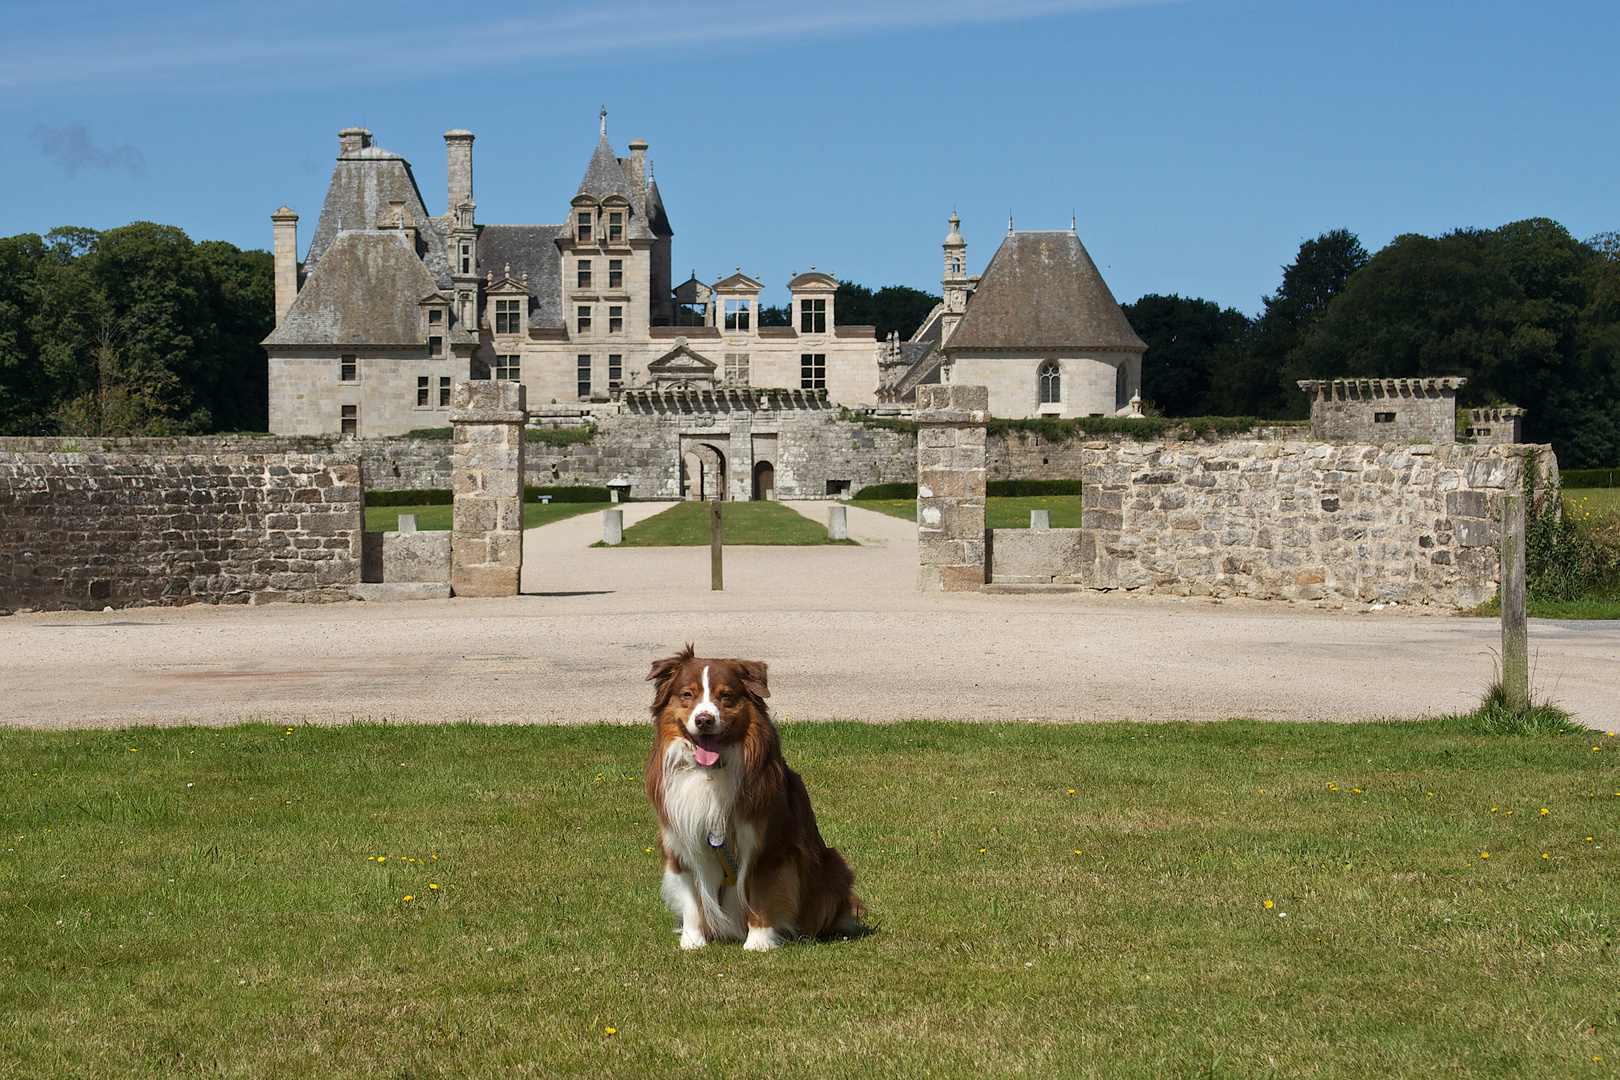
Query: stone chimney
[[458, 157], [638, 168], [286, 247], [352, 140]]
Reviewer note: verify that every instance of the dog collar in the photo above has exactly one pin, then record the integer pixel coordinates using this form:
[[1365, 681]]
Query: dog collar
[[727, 856]]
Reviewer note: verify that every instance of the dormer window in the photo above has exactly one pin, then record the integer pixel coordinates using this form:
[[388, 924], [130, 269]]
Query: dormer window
[[435, 317], [615, 273], [508, 317], [466, 258], [584, 273], [812, 316], [615, 226], [582, 228], [736, 314], [435, 345]]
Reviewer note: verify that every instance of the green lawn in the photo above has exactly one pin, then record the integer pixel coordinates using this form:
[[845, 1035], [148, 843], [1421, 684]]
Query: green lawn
[[1122, 900], [686, 524], [1594, 501], [1010, 513], [430, 518]]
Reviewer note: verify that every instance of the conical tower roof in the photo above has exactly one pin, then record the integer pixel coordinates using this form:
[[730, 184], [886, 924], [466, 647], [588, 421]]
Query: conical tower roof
[[1042, 291]]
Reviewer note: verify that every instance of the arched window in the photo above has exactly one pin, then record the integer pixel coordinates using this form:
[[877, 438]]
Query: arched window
[[1051, 383], [1122, 386]]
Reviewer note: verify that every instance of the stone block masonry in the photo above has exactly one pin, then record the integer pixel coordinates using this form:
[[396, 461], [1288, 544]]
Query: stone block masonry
[[950, 487], [126, 529], [1298, 520], [486, 541]]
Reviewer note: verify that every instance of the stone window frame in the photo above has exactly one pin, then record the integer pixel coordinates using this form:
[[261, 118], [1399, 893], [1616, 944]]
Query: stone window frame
[[508, 315], [615, 370], [813, 316], [349, 420], [615, 226], [615, 273], [583, 371], [615, 319], [444, 391], [583, 316], [435, 345], [582, 274], [424, 391], [738, 317], [1383, 418], [466, 258], [737, 369], [348, 368], [812, 371], [508, 367], [1049, 383], [582, 226]]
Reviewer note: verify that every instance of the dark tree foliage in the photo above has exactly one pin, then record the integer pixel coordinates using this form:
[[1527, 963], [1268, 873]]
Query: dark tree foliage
[[895, 308], [1189, 342], [134, 330], [775, 316], [1523, 312], [1258, 382]]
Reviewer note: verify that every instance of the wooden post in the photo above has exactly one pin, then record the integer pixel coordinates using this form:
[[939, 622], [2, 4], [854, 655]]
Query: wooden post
[[1515, 638], [716, 579]]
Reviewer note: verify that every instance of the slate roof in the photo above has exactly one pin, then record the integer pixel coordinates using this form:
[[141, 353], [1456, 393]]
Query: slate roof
[[1042, 291], [364, 182], [657, 219], [366, 291], [604, 176], [530, 248]]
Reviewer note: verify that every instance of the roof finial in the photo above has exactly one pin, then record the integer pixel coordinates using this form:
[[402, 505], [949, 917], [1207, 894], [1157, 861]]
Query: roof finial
[[1071, 221], [604, 121], [1009, 223], [649, 171]]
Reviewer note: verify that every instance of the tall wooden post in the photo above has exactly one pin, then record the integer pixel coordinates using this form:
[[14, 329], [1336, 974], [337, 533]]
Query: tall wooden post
[[716, 582], [1515, 637]]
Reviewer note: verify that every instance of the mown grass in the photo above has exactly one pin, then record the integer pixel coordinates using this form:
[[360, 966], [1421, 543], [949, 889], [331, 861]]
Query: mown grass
[[686, 524], [1233, 899], [1002, 513], [433, 518], [1596, 501]]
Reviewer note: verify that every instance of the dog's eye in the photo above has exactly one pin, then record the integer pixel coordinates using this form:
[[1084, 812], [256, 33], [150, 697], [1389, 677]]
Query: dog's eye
[[686, 695]]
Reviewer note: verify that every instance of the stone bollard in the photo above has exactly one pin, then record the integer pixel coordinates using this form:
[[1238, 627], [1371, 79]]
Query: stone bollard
[[950, 486], [407, 523], [1040, 519], [838, 523], [486, 543], [613, 527]]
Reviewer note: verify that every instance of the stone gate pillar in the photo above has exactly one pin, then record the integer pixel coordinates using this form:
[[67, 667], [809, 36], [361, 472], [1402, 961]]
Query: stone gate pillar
[[950, 486], [486, 539]]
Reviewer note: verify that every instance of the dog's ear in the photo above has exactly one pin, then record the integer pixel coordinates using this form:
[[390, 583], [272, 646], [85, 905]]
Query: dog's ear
[[753, 673], [663, 672]]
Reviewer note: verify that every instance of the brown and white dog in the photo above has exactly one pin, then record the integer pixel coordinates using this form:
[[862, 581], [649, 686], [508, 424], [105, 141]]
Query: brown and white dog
[[743, 858]]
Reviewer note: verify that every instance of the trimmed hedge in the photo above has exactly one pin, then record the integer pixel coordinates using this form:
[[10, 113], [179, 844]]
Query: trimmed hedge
[[1588, 478], [568, 493], [546, 436], [420, 497], [438, 434], [887, 491], [1013, 489]]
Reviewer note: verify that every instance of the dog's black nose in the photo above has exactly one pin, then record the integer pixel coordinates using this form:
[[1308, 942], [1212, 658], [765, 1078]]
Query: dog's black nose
[[704, 721]]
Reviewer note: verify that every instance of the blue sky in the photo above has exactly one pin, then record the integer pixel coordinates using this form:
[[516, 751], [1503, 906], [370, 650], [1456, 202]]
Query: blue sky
[[1197, 142]]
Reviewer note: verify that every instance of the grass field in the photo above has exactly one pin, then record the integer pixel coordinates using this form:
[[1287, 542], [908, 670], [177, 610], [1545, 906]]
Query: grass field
[[1593, 500], [435, 518], [1009, 513], [686, 524], [1228, 900]]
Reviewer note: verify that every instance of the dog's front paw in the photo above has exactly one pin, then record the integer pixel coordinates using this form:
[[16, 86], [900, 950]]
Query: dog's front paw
[[692, 938], [762, 939]]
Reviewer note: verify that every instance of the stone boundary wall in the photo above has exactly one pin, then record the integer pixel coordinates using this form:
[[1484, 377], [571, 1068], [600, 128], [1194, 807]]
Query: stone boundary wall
[[389, 464], [1028, 456], [1299, 520], [128, 529]]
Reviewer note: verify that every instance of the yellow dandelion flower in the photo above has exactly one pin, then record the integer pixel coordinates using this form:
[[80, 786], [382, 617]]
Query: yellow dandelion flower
[[410, 897], [133, 750], [1544, 810], [1597, 748], [649, 851], [1077, 852], [1493, 809], [1484, 854], [433, 886], [1358, 791], [982, 850], [611, 1031], [1510, 813], [1588, 838], [1429, 793], [1269, 905], [1544, 855], [1071, 790]]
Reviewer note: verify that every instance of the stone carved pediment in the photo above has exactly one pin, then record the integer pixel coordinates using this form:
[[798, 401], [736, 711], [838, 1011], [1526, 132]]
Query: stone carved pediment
[[682, 369]]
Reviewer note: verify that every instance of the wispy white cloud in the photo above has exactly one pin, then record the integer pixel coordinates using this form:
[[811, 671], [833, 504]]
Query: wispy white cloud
[[322, 42], [72, 149]]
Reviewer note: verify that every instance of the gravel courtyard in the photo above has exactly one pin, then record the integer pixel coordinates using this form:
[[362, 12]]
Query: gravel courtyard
[[843, 629]]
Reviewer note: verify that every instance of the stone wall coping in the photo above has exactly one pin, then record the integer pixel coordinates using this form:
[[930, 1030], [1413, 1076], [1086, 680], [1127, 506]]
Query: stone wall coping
[[490, 416], [1379, 387]]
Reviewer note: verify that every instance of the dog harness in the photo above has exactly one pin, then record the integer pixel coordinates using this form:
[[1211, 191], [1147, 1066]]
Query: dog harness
[[727, 855]]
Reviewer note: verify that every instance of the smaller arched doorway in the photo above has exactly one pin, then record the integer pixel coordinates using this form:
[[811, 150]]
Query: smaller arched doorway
[[764, 480]]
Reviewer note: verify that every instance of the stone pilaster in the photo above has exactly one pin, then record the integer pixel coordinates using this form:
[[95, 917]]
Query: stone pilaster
[[950, 486], [486, 544]]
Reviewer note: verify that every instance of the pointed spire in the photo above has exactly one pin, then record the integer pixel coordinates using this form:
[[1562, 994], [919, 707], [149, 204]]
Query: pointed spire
[[1009, 223], [604, 121], [955, 236]]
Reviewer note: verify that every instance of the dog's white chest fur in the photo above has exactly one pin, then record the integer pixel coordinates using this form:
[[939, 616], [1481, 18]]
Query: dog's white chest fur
[[698, 805]]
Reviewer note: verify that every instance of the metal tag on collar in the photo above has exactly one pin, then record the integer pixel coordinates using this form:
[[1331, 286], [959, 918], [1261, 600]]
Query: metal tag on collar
[[727, 855]]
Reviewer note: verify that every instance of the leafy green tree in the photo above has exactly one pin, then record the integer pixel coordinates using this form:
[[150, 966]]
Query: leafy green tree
[[1189, 341], [776, 316], [893, 308]]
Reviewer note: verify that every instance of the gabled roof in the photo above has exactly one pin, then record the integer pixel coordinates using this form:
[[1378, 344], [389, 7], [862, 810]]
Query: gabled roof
[[738, 282], [530, 249], [1042, 291], [364, 183], [814, 279], [366, 291], [692, 291]]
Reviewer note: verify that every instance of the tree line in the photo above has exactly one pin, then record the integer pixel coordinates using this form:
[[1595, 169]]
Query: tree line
[[1526, 312], [132, 331]]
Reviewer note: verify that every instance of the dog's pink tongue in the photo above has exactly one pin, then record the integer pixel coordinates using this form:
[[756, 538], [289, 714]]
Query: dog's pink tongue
[[706, 748]]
